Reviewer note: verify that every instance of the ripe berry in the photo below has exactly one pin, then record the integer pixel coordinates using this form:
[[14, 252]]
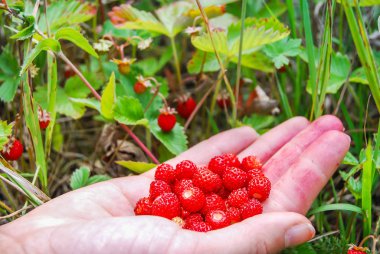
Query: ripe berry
[[181, 185], [157, 188], [199, 226], [166, 205], [185, 169], [43, 118], [234, 178], [186, 105], [356, 250], [238, 197], [12, 151], [184, 213], [165, 172], [251, 162], [254, 173], [213, 202], [207, 180], [179, 221], [217, 219], [166, 120], [139, 87], [223, 192], [219, 163], [259, 188], [143, 207], [251, 208], [282, 69], [194, 217], [233, 214], [223, 100], [192, 199]]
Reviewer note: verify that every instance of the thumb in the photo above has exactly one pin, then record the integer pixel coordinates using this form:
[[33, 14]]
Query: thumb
[[265, 233]]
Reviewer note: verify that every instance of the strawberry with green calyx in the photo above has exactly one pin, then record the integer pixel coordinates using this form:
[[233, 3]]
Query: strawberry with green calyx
[[124, 65]]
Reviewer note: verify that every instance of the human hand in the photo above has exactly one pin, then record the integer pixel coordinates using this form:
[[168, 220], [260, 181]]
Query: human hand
[[299, 159]]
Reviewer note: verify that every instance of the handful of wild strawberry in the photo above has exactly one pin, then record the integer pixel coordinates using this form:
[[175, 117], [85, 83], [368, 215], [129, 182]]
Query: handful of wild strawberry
[[209, 197]]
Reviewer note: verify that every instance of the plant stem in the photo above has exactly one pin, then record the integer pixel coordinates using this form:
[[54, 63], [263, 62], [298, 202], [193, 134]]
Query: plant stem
[[238, 71], [176, 63]]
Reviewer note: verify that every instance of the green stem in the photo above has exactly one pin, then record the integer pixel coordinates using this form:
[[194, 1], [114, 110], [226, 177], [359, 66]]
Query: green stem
[[176, 63], [51, 99], [292, 17], [284, 99]]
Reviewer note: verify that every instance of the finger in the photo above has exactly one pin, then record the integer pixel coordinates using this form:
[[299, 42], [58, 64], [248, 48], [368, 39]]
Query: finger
[[265, 233], [231, 141], [269, 143], [297, 189], [279, 163]]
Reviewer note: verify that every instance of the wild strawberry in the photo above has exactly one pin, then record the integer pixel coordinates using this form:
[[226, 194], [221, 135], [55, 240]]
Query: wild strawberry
[[234, 178], [199, 226], [179, 221], [251, 208], [192, 199], [157, 188], [357, 250], [69, 72], [233, 214], [166, 205], [186, 105], [185, 169], [223, 192], [166, 120], [143, 207], [141, 85], [165, 172], [259, 188], [207, 180], [181, 185], [219, 163], [43, 118], [254, 173], [251, 162], [194, 217], [124, 66], [12, 151], [184, 213], [217, 219], [282, 69], [223, 100], [238, 197], [213, 202]]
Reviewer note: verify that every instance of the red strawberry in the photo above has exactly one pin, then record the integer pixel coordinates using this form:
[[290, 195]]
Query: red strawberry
[[254, 173], [180, 222], [219, 163], [259, 188], [166, 120], [356, 250], [282, 69], [234, 178], [157, 188], [181, 185], [233, 214], [194, 217], [43, 118], [166, 205], [223, 192], [165, 172], [251, 162], [217, 219], [238, 197], [139, 87], [12, 151], [213, 202], [207, 180], [192, 199], [143, 207], [69, 72], [223, 100], [184, 213], [199, 226], [185, 169], [186, 105], [251, 208]]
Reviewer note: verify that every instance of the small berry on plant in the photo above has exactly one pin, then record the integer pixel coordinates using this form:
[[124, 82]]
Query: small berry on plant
[[166, 120], [124, 66], [13, 150], [357, 250], [186, 105], [223, 100], [141, 85], [43, 118]]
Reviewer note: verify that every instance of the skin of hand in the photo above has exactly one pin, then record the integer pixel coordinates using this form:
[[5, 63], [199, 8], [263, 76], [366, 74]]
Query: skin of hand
[[299, 159]]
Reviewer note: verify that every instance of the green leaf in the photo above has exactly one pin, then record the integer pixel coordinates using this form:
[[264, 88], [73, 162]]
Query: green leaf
[[363, 3], [258, 32], [87, 102], [9, 77], [97, 179], [259, 122], [26, 32], [336, 207], [350, 159], [175, 140], [57, 138], [8, 89], [199, 58], [128, 110], [150, 66], [137, 166], [108, 98], [5, 132], [77, 38], [256, 61], [79, 178], [46, 44], [281, 50]]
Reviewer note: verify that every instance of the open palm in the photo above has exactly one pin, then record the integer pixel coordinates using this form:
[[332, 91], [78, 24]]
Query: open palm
[[299, 159]]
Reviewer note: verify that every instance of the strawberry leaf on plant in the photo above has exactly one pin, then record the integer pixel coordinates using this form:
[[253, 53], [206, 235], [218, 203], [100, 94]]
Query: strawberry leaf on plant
[[279, 51], [26, 32], [199, 58], [128, 110], [5, 132], [81, 178], [175, 140], [108, 98], [9, 77], [137, 166]]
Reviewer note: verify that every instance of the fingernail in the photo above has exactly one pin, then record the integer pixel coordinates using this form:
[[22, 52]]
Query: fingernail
[[299, 234]]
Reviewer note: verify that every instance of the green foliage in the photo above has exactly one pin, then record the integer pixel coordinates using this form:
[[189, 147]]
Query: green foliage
[[26, 32], [279, 51], [128, 110], [137, 166], [5, 132], [81, 178], [108, 98], [9, 78]]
